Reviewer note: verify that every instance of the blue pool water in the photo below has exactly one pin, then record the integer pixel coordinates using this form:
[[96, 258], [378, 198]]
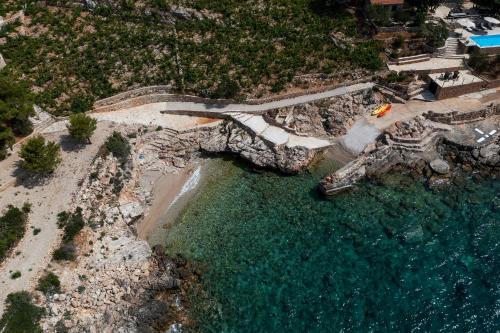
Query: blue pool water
[[391, 256], [487, 41]]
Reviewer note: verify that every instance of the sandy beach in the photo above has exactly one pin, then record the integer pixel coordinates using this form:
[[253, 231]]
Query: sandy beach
[[168, 189]]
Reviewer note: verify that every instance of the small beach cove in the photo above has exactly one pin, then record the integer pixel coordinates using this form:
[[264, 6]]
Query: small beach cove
[[276, 256]]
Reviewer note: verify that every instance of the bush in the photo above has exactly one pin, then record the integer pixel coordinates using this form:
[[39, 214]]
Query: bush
[[72, 224], [80, 104], [226, 88], [21, 315], [65, 252], [40, 157], [119, 146], [398, 42], [12, 227], [15, 275], [380, 15], [49, 284], [479, 61], [435, 34], [15, 109]]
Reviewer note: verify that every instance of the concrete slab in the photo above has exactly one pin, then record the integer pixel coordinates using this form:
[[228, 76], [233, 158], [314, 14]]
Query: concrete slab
[[276, 135], [359, 136]]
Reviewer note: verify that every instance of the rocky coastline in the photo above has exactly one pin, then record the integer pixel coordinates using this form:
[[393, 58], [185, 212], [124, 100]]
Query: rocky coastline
[[118, 283], [439, 147]]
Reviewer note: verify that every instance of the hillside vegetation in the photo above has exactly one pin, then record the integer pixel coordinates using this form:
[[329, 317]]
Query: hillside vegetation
[[226, 48]]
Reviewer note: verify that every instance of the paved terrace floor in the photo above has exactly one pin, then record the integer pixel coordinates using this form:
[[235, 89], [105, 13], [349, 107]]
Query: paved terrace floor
[[430, 65], [366, 129]]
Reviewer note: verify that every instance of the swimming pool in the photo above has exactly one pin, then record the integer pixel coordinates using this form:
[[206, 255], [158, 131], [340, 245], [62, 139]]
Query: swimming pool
[[486, 41]]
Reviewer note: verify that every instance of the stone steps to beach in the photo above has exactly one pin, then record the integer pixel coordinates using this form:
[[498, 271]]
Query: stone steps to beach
[[276, 135]]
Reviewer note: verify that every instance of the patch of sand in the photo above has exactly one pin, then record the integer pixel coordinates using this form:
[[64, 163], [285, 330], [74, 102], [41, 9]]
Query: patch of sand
[[166, 190]]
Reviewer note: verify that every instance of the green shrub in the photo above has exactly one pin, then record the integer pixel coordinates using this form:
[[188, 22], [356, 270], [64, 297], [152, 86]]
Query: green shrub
[[119, 146], [227, 88], [72, 223], [21, 315], [435, 34], [49, 284], [65, 252], [79, 104], [15, 109], [12, 227], [15, 275], [479, 61]]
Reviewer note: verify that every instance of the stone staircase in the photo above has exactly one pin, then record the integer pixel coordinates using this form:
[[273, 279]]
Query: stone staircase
[[275, 135], [412, 59], [452, 50]]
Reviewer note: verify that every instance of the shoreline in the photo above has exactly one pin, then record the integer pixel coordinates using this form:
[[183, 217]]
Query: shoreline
[[170, 195], [166, 190]]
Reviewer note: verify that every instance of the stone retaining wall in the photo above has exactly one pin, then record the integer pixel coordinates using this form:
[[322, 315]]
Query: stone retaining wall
[[155, 94], [457, 118], [131, 94]]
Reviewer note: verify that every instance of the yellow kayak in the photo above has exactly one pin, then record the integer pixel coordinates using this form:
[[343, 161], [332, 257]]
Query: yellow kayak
[[381, 109]]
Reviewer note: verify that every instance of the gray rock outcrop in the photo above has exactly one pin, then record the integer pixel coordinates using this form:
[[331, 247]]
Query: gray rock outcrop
[[440, 166], [332, 116]]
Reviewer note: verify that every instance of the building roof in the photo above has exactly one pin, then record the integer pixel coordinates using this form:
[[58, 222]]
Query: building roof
[[387, 2]]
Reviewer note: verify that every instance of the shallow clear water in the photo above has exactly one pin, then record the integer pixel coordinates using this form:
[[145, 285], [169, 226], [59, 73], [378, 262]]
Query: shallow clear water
[[392, 256]]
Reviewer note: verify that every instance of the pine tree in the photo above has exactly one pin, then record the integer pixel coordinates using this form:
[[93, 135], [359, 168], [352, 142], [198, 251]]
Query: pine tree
[[40, 157], [81, 126]]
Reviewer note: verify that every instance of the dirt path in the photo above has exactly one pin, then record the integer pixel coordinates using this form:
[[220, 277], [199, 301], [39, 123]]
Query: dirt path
[[47, 201]]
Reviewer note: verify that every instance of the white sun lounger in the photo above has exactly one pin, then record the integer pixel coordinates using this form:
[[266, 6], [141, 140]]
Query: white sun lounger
[[481, 140], [479, 131], [492, 132]]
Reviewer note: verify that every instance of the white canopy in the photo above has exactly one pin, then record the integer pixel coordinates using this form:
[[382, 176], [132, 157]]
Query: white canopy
[[466, 23], [492, 20]]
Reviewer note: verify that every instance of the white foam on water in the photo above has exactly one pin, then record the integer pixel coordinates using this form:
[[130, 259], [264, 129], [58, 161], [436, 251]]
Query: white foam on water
[[189, 185]]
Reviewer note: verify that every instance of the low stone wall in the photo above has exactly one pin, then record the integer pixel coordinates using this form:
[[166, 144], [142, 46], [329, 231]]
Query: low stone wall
[[155, 94], [459, 90], [131, 94], [457, 118]]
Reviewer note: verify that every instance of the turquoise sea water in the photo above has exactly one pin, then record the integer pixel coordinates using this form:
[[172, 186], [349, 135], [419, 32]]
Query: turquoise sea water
[[392, 256]]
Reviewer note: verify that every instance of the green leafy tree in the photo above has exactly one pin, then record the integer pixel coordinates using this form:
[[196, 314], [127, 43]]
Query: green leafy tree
[[435, 34], [21, 315], [81, 126], [16, 107], [40, 157]]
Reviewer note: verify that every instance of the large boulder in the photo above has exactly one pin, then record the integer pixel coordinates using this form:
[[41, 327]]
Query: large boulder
[[440, 166]]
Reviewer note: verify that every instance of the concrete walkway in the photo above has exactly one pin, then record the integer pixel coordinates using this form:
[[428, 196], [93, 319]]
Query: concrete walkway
[[245, 114], [366, 129]]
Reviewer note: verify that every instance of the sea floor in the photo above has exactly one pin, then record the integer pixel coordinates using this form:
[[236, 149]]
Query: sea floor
[[391, 256]]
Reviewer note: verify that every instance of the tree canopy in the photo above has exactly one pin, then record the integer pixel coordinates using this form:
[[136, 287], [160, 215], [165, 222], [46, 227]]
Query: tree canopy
[[21, 315], [16, 107], [40, 157], [491, 4], [81, 126]]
